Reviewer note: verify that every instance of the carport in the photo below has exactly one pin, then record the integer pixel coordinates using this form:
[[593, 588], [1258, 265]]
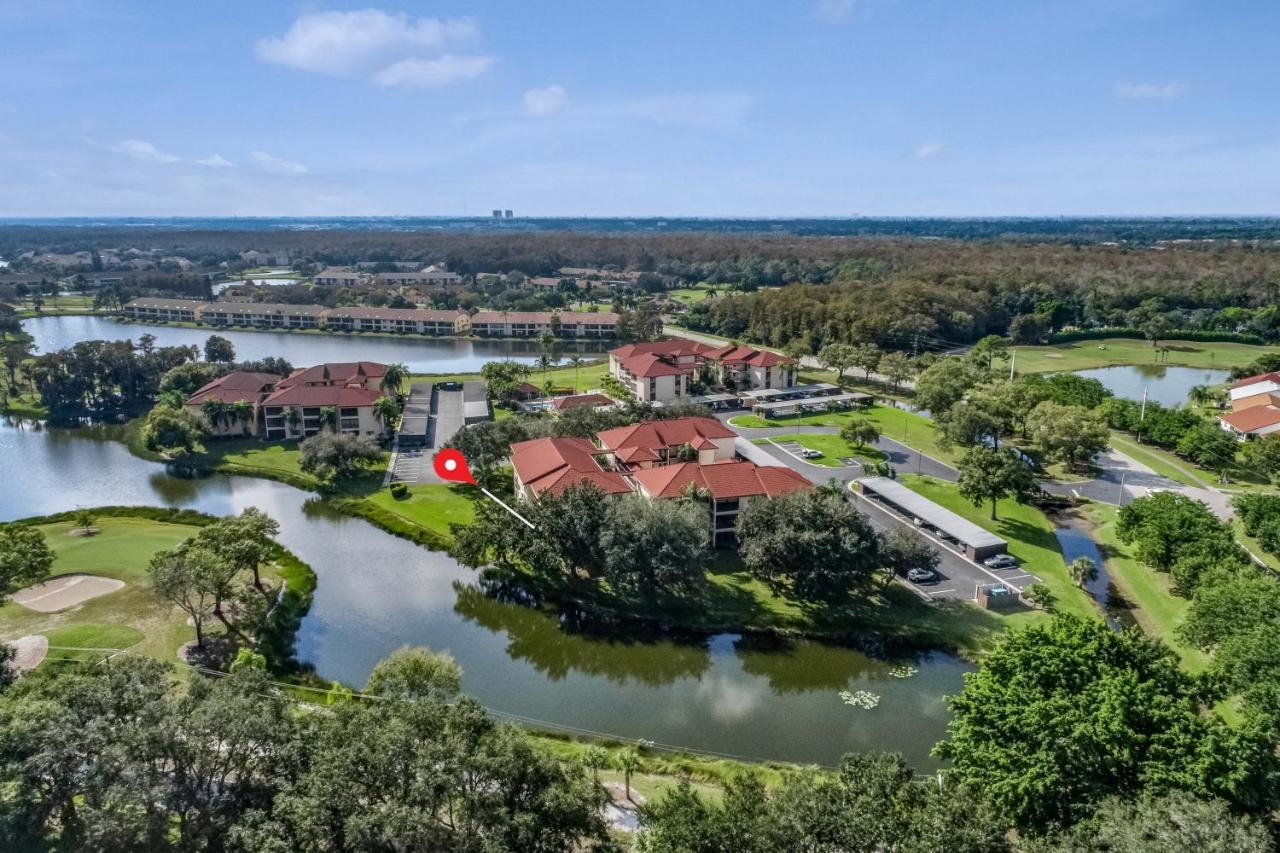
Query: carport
[[973, 541]]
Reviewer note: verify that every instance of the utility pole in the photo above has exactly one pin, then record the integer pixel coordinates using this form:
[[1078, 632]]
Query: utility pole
[[1142, 413], [1123, 474], [1013, 359]]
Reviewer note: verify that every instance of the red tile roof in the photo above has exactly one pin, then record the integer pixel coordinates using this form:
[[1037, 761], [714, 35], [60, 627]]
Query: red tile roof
[[647, 365], [672, 348], [659, 434], [338, 396], [1261, 377], [724, 480], [577, 401], [554, 464], [362, 373], [731, 354], [234, 387], [1253, 418]]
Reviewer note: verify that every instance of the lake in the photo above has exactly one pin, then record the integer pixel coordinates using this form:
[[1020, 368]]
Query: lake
[[1165, 384], [726, 694], [422, 355]]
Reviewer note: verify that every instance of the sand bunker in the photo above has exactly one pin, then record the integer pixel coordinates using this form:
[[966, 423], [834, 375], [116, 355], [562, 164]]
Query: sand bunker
[[65, 591], [29, 651]]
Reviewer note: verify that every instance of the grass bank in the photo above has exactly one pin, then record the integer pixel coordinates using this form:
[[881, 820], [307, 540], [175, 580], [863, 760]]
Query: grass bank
[[909, 428], [1147, 593]]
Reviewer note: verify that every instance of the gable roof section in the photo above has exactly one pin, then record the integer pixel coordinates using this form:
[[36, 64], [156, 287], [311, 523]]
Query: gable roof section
[[577, 401], [338, 396], [653, 435], [335, 373], [731, 354], [234, 387], [672, 348], [1253, 418], [554, 464], [724, 480], [1254, 380]]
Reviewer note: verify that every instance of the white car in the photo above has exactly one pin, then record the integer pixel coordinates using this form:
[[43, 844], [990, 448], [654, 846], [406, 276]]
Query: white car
[[1000, 561], [810, 453]]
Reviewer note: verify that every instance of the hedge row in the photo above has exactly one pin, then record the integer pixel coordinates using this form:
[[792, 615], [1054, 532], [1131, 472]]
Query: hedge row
[[169, 515], [1199, 335]]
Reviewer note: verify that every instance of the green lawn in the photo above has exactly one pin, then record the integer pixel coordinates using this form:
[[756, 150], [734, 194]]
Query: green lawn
[[832, 448], [1082, 355], [588, 375], [1154, 606], [433, 506], [898, 424], [690, 295], [1030, 536], [129, 617]]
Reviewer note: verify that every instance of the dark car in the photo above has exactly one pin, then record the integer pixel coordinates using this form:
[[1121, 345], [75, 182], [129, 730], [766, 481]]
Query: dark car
[[922, 576]]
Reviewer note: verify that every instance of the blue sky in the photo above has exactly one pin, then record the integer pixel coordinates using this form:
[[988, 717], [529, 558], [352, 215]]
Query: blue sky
[[748, 108]]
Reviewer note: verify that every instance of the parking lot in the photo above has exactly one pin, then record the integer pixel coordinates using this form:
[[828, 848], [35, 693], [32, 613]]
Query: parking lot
[[803, 454]]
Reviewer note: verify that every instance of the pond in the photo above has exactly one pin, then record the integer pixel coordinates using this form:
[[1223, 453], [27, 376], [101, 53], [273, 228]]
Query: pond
[[1164, 384], [1076, 542], [422, 355], [726, 694]]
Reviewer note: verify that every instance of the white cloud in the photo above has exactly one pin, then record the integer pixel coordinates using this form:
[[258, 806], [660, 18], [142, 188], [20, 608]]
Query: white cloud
[[545, 101], [1150, 91], [270, 163], [359, 42], [928, 150], [139, 150], [834, 10], [215, 161], [417, 73]]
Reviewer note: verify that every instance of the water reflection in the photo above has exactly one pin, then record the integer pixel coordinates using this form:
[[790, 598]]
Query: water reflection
[[1163, 384], [422, 355], [538, 639], [376, 592]]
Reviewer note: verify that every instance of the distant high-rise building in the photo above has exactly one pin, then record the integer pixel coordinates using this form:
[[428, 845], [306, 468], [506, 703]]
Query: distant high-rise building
[[508, 214], [497, 214]]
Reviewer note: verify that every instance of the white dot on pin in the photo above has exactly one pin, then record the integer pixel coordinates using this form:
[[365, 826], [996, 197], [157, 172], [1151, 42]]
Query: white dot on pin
[[450, 464]]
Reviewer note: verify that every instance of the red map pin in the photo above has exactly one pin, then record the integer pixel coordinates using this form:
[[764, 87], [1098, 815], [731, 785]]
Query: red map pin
[[451, 465]]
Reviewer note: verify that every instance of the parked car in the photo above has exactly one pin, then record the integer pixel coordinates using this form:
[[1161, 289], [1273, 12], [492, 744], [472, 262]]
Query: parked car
[[810, 453], [1000, 561], [922, 576]]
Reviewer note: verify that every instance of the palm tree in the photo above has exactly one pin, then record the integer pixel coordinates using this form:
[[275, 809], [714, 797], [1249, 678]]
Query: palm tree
[[215, 411], [628, 763], [241, 412], [544, 363], [386, 410], [329, 417], [394, 378], [1201, 395], [575, 361], [596, 758], [1083, 570]]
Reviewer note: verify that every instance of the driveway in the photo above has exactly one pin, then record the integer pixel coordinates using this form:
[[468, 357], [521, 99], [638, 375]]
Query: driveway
[[413, 465]]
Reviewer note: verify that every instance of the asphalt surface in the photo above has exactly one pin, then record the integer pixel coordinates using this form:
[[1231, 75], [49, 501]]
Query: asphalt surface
[[413, 465], [959, 576]]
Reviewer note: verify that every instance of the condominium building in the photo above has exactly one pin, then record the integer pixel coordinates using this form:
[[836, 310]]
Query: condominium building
[[164, 310], [403, 320]]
